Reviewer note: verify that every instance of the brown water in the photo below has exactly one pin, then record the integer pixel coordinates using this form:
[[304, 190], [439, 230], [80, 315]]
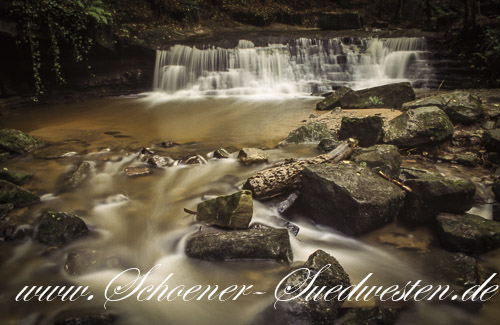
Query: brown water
[[140, 222]]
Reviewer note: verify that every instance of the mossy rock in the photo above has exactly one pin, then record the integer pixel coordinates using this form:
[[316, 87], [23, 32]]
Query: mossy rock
[[20, 197], [231, 211], [381, 157], [18, 178], [367, 130], [17, 141], [312, 132], [59, 228]]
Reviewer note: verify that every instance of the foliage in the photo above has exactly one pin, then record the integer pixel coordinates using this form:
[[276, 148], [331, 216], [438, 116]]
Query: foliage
[[186, 11], [488, 55], [61, 22], [375, 100]]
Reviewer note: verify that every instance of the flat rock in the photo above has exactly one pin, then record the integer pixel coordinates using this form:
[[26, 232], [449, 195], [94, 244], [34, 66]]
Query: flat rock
[[17, 141], [18, 178], [59, 228], [231, 211], [312, 132], [419, 126], [249, 156], [255, 244], [381, 157], [18, 196], [137, 171], [367, 130], [349, 197], [386, 96], [468, 233]]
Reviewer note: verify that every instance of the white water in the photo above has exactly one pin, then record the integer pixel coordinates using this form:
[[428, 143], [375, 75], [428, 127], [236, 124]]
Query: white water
[[300, 67]]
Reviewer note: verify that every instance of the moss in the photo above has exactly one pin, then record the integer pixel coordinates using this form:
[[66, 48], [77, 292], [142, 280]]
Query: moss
[[11, 193], [18, 178], [17, 141]]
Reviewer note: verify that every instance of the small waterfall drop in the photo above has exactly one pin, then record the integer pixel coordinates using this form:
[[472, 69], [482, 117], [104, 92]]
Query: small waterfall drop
[[300, 67]]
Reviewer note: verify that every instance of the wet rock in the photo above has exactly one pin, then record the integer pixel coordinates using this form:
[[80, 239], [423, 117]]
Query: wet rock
[[273, 244], [467, 159], [307, 311], [195, 160], [18, 178], [80, 174], [387, 96], [420, 126], [456, 268], [17, 141], [381, 157], [18, 196], [404, 241], [310, 132], [339, 21], [432, 193], [468, 233], [349, 197], [59, 228], [249, 156], [460, 106], [333, 100], [327, 145], [79, 262], [5, 209], [86, 319], [13, 232], [231, 211], [491, 140], [368, 130], [161, 161], [137, 171], [370, 316], [221, 153], [169, 144], [288, 202]]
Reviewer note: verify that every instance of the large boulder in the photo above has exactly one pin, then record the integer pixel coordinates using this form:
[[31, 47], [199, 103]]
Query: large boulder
[[310, 132], [368, 130], [381, 157], [491, 140], [59, 228], [432, 193], [17, 141], [231, 211], [18, 196], [460, 106], [420, 126], [248, 156], [18, 178], [307, 311], [468, 233], [387, 96], [339, 21], [333, 100], [349, 197], [255, 244]]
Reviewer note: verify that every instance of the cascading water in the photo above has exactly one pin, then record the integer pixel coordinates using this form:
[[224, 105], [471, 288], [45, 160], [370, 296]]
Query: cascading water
[[302, 66]]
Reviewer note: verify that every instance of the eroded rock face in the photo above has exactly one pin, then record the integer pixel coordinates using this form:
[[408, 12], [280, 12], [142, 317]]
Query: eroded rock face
[[59, 228], [303, 311], [308, 133], [18, 196], [17, 141], [249, 156], [368, 130], [420, 126], [381, 157], [460, 106], [231, 211], [349, 197], [468, 233], [268, 244]]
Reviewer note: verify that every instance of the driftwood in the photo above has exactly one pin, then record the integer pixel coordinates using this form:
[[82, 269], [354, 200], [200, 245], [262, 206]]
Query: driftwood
[[395, 181], [285, 176]]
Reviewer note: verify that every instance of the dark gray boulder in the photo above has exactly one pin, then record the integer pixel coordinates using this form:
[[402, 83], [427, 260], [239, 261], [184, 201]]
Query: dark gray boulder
[[255, 244], [381, 157], [59, 228], [339, 21], [468, 233], [491, 139], [310, 132], [367, 130], [18, 178], [333, 100], [17, 141], [231, 211], [460, 106], [420, 126], [387, 96], [18, 196], [432, 193], [307, 311], [327, 145], [349, 197], [221, 153]]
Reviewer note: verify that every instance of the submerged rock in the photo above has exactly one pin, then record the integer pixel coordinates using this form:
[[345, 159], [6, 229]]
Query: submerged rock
[[327, 145], [80, 174], [368, 130], [387, 96], [273, 244], [468, 233], [86, 319], [310, 132], [137, 171], [432, 193], [420, 126], [333, 100], [17, 141], [18, 178], [18, 196], [59, 228], [307, 311], [231, 211], [349, 197], [381, 157], [339, 21], [249, 156], [370, 316], [460, 106]]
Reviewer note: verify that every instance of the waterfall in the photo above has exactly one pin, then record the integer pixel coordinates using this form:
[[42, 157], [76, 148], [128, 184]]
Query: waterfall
[[301, 66]]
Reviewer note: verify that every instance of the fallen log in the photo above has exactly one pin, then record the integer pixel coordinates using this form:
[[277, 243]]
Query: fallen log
[[285, 176]]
